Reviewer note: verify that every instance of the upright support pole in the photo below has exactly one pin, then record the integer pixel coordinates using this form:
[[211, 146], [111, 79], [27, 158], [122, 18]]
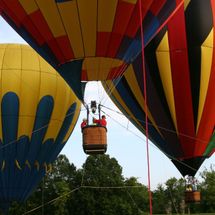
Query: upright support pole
[[88, 112], [99, 109]]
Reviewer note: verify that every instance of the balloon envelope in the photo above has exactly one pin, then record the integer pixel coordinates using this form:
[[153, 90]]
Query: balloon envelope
[[180, 70], [37, 115], [86, 40]]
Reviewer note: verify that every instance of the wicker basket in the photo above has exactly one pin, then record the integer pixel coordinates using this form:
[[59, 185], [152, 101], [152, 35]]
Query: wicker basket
[[94, 139], [192, 197]]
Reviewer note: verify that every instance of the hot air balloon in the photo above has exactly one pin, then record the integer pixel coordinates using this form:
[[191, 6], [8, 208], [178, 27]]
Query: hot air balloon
[[37, 115], [180, 76], [87, 40]]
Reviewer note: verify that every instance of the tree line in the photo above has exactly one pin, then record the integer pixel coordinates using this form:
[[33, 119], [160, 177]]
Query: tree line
[[99, 188]]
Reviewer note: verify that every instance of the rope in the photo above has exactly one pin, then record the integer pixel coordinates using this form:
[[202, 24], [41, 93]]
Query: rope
[[169, 156], [51, 201], [160, 127], [79, 188], [45, 126], [145, 105], [110, 89]]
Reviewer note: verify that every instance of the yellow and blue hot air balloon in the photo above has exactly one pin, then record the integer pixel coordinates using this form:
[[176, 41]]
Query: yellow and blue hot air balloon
[[38, 112], [180, 71], [86, 40]]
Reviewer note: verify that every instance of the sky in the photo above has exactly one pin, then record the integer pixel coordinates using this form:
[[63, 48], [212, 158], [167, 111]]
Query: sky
[[125, 142]]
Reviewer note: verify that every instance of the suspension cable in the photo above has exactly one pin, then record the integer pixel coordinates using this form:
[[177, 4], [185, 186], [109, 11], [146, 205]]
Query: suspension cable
[[168, 155], [160, 127]]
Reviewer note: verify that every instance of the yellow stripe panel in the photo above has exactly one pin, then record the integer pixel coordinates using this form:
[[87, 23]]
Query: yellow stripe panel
[[164, 44], [12, 58], [10, 80], [92, 65], [69, 13], [47, 85], [46, 68], [29, 6], [28, 101], [32, 68], [73, 99], [31, 78], [163, 60], [50, 12], [29, 92], [206, 62], [60, 108], [30, 59], [186, 3], [88, 18], [2, 52], [209, 42], [120, 100], [134, 86], [106, 15], [109, 86], [105, 67], [130, 1], [98, 68]]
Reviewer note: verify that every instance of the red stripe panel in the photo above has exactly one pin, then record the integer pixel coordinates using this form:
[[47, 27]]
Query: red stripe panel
[[11, 15], [115, 72], [24, 21], [62, 49], [178, 2], [207, 123], [33, 31], [102, 43], [16, 13], [56, 51], [84, 75], [135, 19], [122, 17], [114, 44], [64, 45], [157, 6], [40, 23], [181, 82]]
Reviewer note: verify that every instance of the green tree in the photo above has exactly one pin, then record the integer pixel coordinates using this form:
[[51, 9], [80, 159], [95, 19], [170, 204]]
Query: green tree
[[175, 193], [160, 200], [103, 172], [207, 188], [138, 195], [55, 184], [100, 190]]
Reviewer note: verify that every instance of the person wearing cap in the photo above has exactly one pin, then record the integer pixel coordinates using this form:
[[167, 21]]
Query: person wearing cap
[[84, 123], [101, 121]]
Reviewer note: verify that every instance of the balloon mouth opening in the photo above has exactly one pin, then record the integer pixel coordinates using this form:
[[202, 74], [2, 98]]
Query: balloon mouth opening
[[189, 166]]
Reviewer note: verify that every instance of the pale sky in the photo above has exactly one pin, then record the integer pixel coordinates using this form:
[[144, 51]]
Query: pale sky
[[127, 144]]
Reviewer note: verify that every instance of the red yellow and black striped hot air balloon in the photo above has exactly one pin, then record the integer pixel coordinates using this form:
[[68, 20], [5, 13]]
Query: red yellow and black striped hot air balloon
[[38, 112], [180, 71], [87, 40]]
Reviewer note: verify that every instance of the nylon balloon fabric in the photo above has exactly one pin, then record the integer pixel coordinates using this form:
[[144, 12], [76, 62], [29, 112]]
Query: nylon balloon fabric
[[180, 71], [37, 115], [86, 40]]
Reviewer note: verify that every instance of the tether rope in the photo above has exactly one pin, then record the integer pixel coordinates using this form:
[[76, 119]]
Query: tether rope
[[145, 106]]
